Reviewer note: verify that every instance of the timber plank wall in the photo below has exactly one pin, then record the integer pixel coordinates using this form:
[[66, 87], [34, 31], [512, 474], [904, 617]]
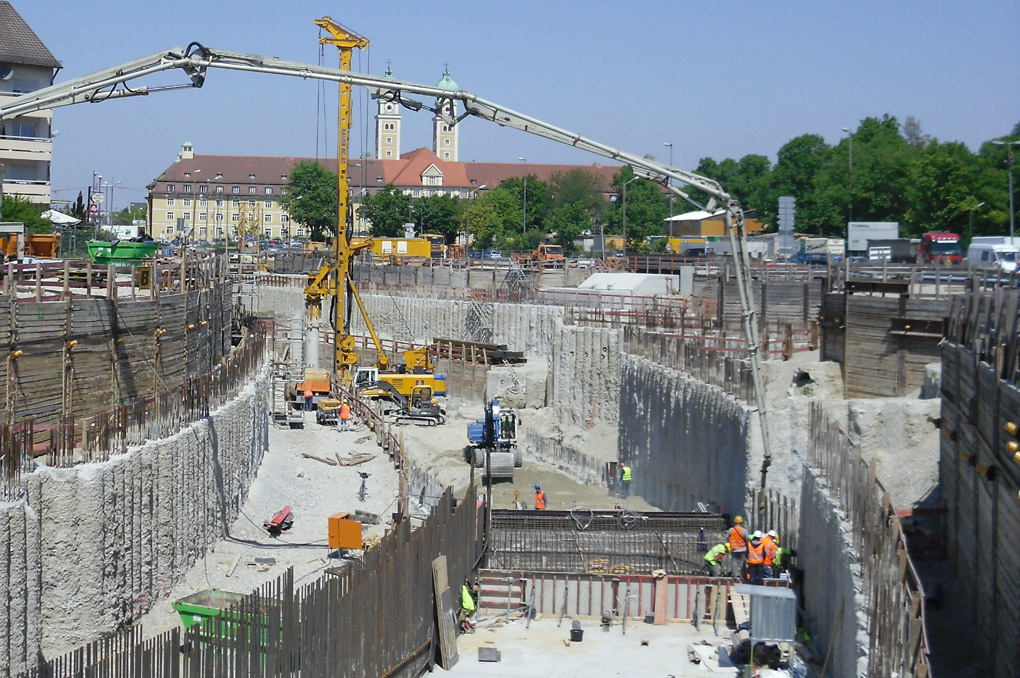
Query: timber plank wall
[[979, 475], [83, 355], [882, 342]]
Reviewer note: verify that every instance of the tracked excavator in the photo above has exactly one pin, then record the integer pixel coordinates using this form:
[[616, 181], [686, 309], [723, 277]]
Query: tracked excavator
[[195, 62]]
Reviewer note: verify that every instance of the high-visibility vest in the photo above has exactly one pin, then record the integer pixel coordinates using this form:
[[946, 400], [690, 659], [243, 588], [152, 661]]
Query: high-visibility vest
[[467, 603], [540, 500], [345, 411], [738, 539], [756, 554], [626, 474], [716, 554], [770, 549]]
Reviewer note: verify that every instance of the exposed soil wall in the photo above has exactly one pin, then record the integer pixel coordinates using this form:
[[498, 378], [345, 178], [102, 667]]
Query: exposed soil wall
[[89, 549]]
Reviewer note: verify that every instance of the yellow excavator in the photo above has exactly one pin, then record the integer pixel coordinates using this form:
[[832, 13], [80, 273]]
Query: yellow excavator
[[333, 279]]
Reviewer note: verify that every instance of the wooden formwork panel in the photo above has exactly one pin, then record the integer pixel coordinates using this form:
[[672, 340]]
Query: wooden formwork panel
[[1007, 579], [95, 317], [950, 372], [985, 545], [39, 322]]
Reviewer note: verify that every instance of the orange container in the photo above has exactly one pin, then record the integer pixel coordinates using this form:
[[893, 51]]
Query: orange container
[[344, 533]]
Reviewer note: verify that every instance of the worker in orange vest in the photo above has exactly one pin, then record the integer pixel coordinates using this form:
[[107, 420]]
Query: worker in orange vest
[[737, 539], [756, 560], [345, 415], [539, 498], [771, 542]]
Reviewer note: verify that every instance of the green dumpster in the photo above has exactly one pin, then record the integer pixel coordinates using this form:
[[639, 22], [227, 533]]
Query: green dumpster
[[205, 605]]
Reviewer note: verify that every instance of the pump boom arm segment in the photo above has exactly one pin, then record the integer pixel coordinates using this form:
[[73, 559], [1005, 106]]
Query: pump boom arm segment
[[197, 59]]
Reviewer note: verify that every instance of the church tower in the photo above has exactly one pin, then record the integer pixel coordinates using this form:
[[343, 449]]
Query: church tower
[[444, 135], [387, 128]]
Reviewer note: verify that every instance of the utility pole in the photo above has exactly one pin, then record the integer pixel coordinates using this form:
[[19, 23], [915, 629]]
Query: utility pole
[[1010, 159]]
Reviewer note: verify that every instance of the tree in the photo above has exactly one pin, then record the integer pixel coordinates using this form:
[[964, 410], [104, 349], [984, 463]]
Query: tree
[[388, 211], [438, 214], [16, 208], [569, 222], [312, 198], [78, 209], [647, 209]]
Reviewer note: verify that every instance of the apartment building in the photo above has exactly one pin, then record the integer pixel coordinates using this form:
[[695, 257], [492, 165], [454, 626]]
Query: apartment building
[[26, 149]]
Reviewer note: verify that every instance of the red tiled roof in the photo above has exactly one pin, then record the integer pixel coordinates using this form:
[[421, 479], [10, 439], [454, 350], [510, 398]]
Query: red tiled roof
[[405, 172]]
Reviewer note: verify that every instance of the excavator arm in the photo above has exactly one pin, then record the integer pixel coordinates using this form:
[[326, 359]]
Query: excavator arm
[[197, 59]]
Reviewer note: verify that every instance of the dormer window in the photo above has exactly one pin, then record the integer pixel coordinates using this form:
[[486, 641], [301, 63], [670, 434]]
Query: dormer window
[[251, 175]]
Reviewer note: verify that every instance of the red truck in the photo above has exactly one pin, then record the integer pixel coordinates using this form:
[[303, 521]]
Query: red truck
[[940, 248]]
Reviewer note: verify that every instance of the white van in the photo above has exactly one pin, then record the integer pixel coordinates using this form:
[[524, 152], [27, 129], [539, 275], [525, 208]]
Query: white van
[[997, 251]]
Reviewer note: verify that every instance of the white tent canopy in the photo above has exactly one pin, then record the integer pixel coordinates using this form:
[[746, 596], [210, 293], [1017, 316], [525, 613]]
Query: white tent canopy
[[59, 218]]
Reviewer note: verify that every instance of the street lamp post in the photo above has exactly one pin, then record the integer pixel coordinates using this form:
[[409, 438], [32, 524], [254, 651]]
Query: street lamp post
[[970, 222], [524, 223], [851, 171], [1012, 208], [668, 182], [625, 214]]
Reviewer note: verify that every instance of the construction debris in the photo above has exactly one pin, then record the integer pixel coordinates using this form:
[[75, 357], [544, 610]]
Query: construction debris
[[323, 460], [355, 459], [281, 520]]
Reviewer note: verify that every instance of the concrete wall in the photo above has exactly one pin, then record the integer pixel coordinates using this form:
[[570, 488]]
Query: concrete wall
[[687, 441], [585, 375], [832, 585], [89, 549]]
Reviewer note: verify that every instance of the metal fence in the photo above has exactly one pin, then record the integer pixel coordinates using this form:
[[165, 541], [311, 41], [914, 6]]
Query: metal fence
[[369, 617], [894, 596]]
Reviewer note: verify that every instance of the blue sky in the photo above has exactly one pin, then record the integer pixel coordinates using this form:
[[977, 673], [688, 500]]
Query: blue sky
[[717, 79]]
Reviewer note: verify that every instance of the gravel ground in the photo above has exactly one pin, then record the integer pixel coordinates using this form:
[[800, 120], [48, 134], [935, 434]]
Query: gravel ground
[[313, 490]]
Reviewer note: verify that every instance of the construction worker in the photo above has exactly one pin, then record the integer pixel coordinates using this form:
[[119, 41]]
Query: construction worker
[[345, 415], [624, 480], [771, 542], [308, 400], [713, 559], [467, 607], [737, 539], [756, 560], [539, 498]]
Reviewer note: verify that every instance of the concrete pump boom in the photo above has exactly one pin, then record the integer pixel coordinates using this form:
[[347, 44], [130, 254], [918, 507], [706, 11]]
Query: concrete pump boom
[[197, 59]]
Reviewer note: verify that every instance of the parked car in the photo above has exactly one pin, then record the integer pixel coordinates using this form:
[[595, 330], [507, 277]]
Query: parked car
[[492, 254]]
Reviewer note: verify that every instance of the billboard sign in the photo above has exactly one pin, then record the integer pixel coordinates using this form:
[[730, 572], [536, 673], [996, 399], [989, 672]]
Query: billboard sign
[[860, 232]]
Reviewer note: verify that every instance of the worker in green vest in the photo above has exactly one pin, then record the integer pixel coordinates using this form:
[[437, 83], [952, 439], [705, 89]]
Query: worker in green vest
[[624, 480], [713, 559]]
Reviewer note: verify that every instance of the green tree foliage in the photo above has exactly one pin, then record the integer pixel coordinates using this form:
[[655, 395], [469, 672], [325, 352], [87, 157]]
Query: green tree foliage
[[388, 211], [78, 209], [438, 214], [312, 198], [16, 208], [647, 209]]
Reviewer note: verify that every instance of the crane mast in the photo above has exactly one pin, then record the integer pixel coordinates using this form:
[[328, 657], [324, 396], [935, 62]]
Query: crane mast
[[333, 279]]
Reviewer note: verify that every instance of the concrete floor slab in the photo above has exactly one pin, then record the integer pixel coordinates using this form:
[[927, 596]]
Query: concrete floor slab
[[544, 650]]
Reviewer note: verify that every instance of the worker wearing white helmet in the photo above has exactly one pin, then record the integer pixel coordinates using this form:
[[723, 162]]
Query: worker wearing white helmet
[[771, 544]]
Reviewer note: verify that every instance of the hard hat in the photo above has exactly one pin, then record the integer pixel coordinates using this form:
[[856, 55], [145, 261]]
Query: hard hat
[[538, 487], [738, 520], [772, 533], [757, 535]]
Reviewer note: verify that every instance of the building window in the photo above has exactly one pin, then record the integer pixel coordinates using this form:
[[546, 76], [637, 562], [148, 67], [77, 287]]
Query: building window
[[202, 231], [187, 202], [169, 216], [203, 202], [269, 190], [301, 232], [268, 219], [268, 233], [269, 203], [219, 189], [284, 177], [219, 217], [446, 155], [234, 217], [170, 202], [219, 203], [389, 140], [446, 128], [251, 175], [416, 192], [169, 188], [187, 216], [201, 216], [187, 175], [446, 142], [235, 189], [235, 203], [187, 188], [23, 129], [170, 229], [201, 188], [252, 190], [284, 219], [251, 203], [389, 154]]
